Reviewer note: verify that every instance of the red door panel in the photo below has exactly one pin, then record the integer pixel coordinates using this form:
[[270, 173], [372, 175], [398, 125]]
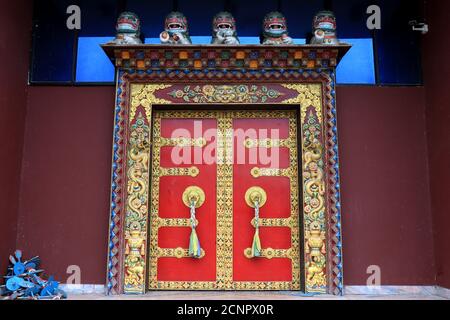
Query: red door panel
[[212, 271], [277, 205], [171, 206]]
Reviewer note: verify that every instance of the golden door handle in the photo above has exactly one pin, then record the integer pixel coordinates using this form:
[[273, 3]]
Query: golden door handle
[[256, 195], [194, 197], [256, 198]]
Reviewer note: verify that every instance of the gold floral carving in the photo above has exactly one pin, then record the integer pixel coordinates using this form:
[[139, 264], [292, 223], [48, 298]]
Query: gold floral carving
[[270, 253], [308, 95], [144, 95], [178, 253], [268, 143], [270, 172], [154, 249], [179, 142], [191, 171], [180, 222], [295, 213], [274, 222], [226, 94], [224, 272]]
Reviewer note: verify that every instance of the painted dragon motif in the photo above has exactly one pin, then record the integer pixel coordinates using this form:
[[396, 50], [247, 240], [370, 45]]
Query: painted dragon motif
[[137, 205]]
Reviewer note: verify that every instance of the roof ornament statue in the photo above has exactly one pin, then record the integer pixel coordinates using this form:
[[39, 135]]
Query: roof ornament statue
[[275, 31], [128, 29], [324, 29], [176, 30], [224, 29]]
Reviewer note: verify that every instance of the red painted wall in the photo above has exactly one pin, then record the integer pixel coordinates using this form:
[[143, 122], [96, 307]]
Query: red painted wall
[[385, 195], [13, 79], [437, 81], [386, 216], [64, 205]]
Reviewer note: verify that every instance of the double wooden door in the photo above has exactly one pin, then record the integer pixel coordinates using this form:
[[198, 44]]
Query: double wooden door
[[224, 209]]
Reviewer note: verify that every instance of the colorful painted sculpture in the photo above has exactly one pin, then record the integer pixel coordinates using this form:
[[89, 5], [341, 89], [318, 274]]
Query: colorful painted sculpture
[[134, 250], [224, 29], [324, 29], [176, 29], [275, 30], [128, 29]]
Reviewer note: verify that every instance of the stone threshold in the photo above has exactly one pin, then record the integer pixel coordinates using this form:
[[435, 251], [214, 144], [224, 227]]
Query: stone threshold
[[354, 292]]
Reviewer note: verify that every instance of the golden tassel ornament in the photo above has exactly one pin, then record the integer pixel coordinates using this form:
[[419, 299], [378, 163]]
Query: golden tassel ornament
[[195, 249], [256, 245]]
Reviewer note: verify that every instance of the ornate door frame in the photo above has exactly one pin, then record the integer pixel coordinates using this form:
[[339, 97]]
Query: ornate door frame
[[311, 90]]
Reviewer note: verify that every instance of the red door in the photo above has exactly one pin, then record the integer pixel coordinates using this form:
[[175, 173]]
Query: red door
[[224, 156]]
